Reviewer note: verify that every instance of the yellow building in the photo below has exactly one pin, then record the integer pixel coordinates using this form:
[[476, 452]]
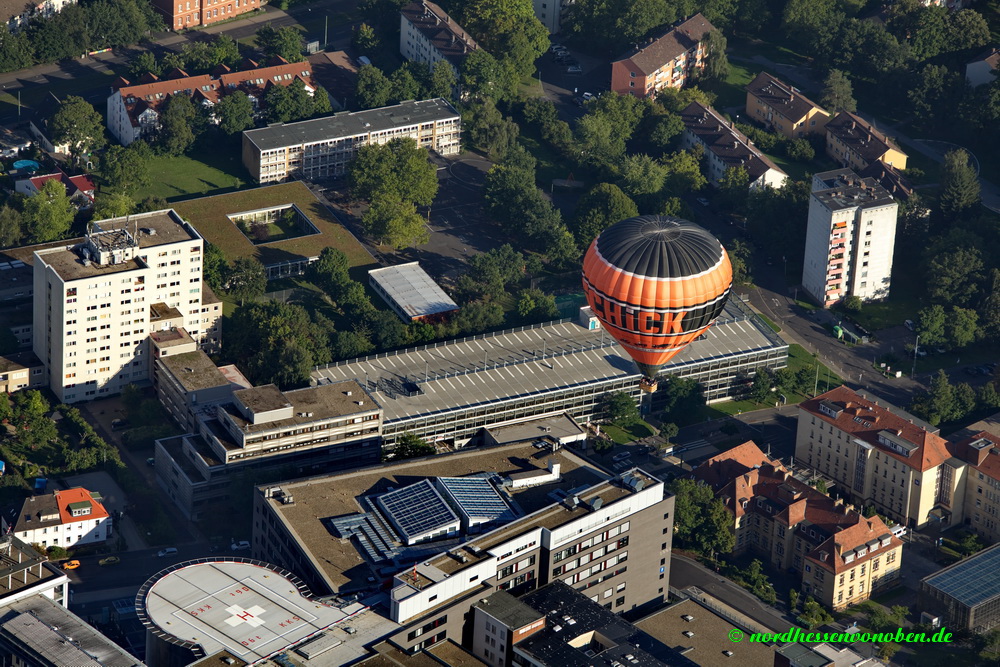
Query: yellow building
[[792, 526], [880, 455], [784, 109], [854, 143]]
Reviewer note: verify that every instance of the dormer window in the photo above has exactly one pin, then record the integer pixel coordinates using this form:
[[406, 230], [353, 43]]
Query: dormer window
[[862, 552], [849, 558]]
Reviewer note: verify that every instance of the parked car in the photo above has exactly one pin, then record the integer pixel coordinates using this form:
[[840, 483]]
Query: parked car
[[574, 69], [71, 565], [110, 560], [910, 325], [702, 201], [169, 551], [920, 352], [118, 424], [588, 96], [242, 545]]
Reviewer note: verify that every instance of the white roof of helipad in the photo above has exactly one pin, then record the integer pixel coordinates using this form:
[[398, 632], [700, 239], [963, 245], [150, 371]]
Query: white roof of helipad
[[247, 608]]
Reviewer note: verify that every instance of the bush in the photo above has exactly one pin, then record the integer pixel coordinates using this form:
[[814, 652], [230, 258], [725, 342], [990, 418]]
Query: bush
[[799, 149], [57, 552]]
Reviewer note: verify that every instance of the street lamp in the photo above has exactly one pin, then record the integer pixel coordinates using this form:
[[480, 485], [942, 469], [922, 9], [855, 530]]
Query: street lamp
[[916, 348]]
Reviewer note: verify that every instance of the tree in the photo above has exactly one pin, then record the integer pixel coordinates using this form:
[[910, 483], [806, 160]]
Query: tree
[[364, 40], [443, 80], [48, 214], [887, 651], [619, 408], [760, 390], [813, 614], [676, 100], [409, 446], [604, 205], [793, 600], [641, 177], [939, 403], [331, 271], [954, 276], [215, 268], [608, 27], [734, 189], [959, 185], [373, 88], [716, 63], [235, 112], [404, 86], [800, 149], [989, 311], [490, 131], [701, 521], [400, 168], [963, 327], [15, 50], [11, 226], [668, 431], [931, 326], [534, 305], [853, 304], [682, 397], [664, 127], [285, 42], [395, 222], [739, 256], [176, 123], [838, 93], [112, 205], [126, 169], [79, 125], [483, 76], [266, 336], [477, 317], [683, 173], [299, 100], [246, 280], [932, 94], [279, 107], [812, 25], [492, 271]]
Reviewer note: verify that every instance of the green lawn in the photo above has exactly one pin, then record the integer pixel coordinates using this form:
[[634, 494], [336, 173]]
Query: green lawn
[[626, 434], [185, 176], [732, 91], [769, 322], [550, 164], [748, 48], [914, 158]]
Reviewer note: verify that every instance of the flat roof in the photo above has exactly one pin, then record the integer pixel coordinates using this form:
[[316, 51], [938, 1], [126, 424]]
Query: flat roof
[[510, 611], [319, 498], [412, 290], [324, 402], [854, 193], [22, 567], [18, 361], [194, 370], [223, 605], [350, 124], [417, 509], [155, 228], [971, 581], [262, 399], [558, 427], [456, 379], [210, 216]]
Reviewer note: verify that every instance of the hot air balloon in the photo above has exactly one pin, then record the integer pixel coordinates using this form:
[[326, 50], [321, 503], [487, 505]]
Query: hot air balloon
[[656, 283]]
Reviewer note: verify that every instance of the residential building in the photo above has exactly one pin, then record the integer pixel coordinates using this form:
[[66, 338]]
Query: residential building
[[234, 429], [725, 146], [427, 34], [63, 519], [983, 69], [134, 110], [185, 14], [850, 238], [94, 298], [551, 13], [967, 593], [981, 498], [878, 455], [783, 108], [854, 143], [508, 378], [841, 556], [411, 293], [666, 61], [17, 14], [80, 189], [608, 535], [39, 128], [12, 142], [21, 370], [890, 178], [337, 73], [323, 147]]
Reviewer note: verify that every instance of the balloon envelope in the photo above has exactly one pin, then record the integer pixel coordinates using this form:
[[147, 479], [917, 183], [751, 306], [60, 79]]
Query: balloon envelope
[[656, 283]]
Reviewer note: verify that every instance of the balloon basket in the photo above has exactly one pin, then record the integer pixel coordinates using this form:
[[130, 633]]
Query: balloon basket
[[647, 385]]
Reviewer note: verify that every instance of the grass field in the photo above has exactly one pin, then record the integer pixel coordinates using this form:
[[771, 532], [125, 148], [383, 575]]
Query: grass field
[[775, 53], [184, 176], [732, 91], [626, 434]]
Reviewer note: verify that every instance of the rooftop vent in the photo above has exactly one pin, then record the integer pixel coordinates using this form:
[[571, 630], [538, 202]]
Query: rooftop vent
[[149, 231], [688, 617], [688, 634], [348, 392], [728, 654]]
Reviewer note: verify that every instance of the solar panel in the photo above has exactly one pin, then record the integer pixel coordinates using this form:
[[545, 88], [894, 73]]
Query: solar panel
[[971, 581], [477, 498], [417, 509]]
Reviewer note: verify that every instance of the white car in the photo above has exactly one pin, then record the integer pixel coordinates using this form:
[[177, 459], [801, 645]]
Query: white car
[[242, 545], [910, 325], [586, 97], [574, 69]]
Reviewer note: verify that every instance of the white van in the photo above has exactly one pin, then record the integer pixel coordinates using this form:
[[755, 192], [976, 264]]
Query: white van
[[169, 551]]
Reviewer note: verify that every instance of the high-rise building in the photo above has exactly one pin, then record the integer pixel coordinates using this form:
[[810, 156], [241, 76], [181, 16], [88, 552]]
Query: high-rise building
[[97, 298], [850, 237]]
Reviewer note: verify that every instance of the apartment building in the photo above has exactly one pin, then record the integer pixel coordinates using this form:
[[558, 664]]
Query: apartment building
[[94, 298], [428, 35], [185, 14], [133, 111], [305, 431], [854, 143], [323, 147], [609, 539], [21, 370], [667, 61], [783, 108], [62, 519], [724, 147], [977, 490], [80, 189], [841, 556], [879, 455], [551, 13], [850, 238]]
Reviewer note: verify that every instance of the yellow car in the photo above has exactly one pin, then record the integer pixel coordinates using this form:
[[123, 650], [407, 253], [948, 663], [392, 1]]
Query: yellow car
[[71, 565]]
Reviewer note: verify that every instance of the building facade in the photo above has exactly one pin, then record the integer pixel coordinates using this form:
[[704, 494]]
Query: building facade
[[428, 35], [726, 147], [21, 370], [185, 14], [94, 300], [783, 108], [323, 147], [878, 455], [551, 13], [667, 61], [841, 556], [850, 238], [854, 143], [63, 519], [80, 189]]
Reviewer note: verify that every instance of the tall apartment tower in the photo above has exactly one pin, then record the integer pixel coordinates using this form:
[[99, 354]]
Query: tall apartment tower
[[97, 299], [850, 237]]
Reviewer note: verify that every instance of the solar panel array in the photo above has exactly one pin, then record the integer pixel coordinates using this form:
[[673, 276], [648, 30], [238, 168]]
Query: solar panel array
[[477, 498], [972, 581], [417, 509], [368, 531]]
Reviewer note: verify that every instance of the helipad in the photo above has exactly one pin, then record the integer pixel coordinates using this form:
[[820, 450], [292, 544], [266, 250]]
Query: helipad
[[249, 608]]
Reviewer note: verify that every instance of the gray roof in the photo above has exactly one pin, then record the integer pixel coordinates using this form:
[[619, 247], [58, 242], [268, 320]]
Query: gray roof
[[860, 136], [445, 35], [194, 370], [412, 290], [726, 142], [783, 98], [350, 124], [675, 41], [972, 581], [509, 610], [850, 191], [18, 361]]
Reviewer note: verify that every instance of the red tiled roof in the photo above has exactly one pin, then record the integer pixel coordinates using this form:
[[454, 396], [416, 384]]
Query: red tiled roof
[[674, 42], [981, 451], [856, 536], [64, 498], [864, 419], [73, 184]]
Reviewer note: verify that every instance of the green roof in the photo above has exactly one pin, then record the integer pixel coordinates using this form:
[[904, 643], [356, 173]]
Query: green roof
[[82, 505]]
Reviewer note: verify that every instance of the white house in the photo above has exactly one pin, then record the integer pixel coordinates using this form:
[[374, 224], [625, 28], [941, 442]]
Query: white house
[[63, 518]]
